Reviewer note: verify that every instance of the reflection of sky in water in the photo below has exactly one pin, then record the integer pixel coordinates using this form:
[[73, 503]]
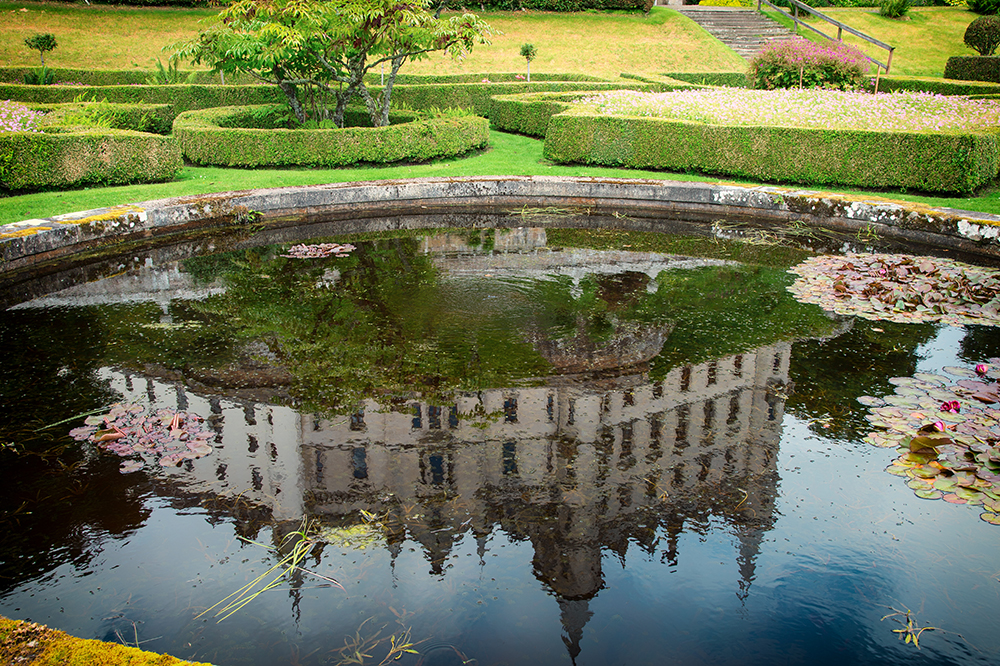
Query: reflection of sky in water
[[847, 541]]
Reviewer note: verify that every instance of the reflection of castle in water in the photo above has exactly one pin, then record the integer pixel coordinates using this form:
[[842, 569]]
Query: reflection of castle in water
[[575, 469]]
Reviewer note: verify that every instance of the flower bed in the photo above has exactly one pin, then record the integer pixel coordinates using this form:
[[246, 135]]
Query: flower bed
[[918, 141]]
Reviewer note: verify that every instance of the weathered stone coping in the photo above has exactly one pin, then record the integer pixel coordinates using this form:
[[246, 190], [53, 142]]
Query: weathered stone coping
[[31, 242]]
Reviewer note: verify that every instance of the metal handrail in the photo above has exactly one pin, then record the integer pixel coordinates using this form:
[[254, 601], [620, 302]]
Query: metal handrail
[[841, 27]]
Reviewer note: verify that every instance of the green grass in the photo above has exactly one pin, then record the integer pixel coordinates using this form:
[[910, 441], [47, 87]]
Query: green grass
[[509, 154], [104, 37]]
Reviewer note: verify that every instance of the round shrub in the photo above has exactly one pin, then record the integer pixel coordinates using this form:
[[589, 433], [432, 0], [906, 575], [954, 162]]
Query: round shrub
[[800, 63], [983, 35]]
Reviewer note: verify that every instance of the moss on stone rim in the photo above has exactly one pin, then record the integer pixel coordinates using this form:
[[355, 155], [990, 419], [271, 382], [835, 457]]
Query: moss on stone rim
[[33, 644]]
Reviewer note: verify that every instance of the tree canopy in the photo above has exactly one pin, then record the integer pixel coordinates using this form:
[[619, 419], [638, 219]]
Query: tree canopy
[[312, 49]]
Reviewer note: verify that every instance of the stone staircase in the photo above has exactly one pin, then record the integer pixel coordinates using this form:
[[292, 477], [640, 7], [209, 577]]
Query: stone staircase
[[745, 31]]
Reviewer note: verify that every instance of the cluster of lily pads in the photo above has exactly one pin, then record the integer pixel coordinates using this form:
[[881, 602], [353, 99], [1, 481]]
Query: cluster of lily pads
[[900, 288], [318, 251], [132, 431], [947, 432]]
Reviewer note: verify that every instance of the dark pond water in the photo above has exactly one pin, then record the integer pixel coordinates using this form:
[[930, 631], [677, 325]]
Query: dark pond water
[[508, 447]]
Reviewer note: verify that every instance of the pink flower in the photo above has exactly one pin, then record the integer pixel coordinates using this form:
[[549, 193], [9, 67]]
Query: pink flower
[[939, 425], [485, 81], [519, 77], [950, 406], [981, 369]]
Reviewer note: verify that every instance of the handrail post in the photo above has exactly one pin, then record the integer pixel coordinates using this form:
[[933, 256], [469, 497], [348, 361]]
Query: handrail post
[[840, 33], [888, 61], [796, 18]]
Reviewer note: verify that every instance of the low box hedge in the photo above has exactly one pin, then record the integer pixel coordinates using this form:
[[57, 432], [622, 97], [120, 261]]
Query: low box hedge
[[477, 96], [242, 137], [181, 97], [153, 118], [935, 86], [63, 157], [529, 113], [929, 162], [973, 68], [728, 79], [114, 77]]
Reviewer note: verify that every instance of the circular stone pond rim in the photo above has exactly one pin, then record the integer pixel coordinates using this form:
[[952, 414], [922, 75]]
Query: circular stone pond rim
[[33, 242]]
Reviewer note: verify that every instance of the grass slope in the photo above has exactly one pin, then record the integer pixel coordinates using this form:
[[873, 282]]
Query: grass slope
[[104, 37]]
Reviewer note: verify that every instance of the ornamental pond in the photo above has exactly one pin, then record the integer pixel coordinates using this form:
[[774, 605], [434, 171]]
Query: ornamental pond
[[532, 445]]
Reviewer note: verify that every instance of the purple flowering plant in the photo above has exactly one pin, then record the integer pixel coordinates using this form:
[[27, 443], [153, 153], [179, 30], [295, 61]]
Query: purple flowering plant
[[830, 109], [15, 117], [799, 63]]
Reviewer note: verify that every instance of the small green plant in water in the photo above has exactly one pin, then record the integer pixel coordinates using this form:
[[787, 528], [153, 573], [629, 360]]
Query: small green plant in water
[[293, 550]]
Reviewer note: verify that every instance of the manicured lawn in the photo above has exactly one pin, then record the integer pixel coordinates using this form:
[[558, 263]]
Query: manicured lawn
[[104, 37], [509, 154]]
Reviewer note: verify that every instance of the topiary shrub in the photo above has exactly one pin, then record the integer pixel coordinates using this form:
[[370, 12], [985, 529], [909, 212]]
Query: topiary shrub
[[983, 35], [987, 7], [800, 63]]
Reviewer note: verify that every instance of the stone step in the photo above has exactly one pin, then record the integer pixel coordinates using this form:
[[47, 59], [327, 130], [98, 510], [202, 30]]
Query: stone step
[[743, 30]]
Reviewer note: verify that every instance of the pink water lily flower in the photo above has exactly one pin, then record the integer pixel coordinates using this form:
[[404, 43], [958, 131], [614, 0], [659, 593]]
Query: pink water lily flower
[[950, 406], [981, 369]]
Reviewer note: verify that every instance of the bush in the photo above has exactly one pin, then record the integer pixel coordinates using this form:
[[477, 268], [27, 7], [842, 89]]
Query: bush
[[974, 68], [987, 7], [153, 118], [894, 8], [958, 162], [70, 157], [252, 136], [983, 35], [799, 62], [43, 76]]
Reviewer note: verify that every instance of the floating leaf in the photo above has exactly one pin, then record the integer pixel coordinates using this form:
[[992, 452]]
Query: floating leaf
[[991, 518], [928, 494], [869, 401]]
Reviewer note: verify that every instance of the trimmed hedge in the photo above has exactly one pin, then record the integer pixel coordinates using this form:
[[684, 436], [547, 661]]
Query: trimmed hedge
[[929, 162], [727, 79], [230, 137], [529, 114], [973, 68], [506, 77], [70, 157], [181, 97], [935, 86], [561, 5], [478, 96], [153, 118]]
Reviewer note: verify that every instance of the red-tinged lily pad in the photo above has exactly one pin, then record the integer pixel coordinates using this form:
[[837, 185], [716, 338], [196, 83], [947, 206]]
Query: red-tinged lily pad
[[952, 446], [990, 517], [129, 430]]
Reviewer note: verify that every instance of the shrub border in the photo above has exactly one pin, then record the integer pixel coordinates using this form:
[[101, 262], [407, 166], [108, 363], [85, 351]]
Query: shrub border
[[85, 155], [927, 162], [208, 137]]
